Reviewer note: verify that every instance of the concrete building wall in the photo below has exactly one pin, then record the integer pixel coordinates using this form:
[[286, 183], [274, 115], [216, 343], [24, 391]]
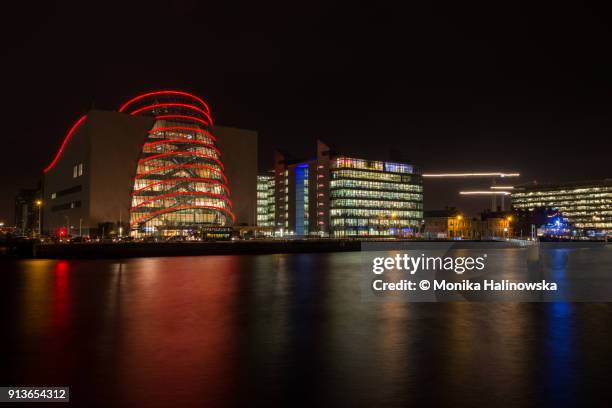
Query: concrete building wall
[[107, 145], [116, 140], [322, 180], [61, 188], [239, 156]]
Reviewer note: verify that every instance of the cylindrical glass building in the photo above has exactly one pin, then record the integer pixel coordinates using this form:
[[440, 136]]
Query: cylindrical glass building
[[179, 188]]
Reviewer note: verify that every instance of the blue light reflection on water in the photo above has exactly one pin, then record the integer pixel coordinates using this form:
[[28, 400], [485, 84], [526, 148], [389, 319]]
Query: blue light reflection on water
[[287, 329]]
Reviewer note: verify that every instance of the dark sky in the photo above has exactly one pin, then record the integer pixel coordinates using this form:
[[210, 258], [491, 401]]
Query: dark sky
[[497, 85]]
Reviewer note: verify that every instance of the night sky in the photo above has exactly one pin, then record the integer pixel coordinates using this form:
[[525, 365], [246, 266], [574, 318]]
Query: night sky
[[458, 86]]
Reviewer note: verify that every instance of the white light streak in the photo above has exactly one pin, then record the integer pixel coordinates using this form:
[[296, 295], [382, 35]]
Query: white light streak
[[496, 174], [484, 192]]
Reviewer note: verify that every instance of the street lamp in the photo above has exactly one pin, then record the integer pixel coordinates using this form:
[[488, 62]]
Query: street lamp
[[39, 205]]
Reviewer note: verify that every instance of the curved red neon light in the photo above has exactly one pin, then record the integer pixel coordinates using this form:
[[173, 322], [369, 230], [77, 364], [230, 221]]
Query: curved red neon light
[[177, 105], [183, 179], [128, 103], [187, 166], [192, 141], [183, 207], [162, 129], [66, 139], [184, 117], [156, 156], [183, 193]]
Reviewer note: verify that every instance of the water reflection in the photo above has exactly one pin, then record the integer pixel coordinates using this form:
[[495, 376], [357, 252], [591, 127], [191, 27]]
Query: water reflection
[[285, 329]]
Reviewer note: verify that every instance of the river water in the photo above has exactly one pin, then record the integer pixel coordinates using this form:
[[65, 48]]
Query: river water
[[285, 329]]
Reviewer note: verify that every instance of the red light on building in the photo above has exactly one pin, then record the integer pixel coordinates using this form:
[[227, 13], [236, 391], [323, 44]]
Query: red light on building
[[66, 139], [179, 183]]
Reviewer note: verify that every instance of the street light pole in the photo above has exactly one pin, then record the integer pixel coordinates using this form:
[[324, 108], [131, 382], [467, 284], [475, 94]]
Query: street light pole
[[39, 205]]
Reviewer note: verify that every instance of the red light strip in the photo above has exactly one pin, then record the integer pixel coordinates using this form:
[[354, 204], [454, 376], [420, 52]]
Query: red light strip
[[162, 129], [183, 179], [179, 193], [125, 105], [178, 105], [187, 166], [156, 156], [68, 136], [183, 207], [165, 141], [184, 117]]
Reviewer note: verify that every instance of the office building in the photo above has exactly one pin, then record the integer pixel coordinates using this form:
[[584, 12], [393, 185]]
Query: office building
[[587, 206], [265, 201], [341, 196]]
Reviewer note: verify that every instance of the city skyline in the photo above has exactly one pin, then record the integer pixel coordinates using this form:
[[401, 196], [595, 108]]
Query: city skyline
[[449, 93]]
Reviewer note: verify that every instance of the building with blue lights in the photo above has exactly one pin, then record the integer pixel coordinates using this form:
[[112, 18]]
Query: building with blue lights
[[340, 196], [587, 206]]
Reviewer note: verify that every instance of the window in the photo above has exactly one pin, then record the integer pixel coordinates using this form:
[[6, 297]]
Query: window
[[66, 206], [77, 170]]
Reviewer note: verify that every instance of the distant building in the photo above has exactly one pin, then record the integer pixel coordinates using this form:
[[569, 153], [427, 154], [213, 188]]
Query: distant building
[[585, 205], [155, 167], [27, 212], [497, 225], [265, 201], [340, 196], [451, 223]]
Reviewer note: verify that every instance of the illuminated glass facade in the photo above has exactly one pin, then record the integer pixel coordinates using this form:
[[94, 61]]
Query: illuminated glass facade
[[180, 187], [587, 206], [340, 196], [265, 200], [374, 198]]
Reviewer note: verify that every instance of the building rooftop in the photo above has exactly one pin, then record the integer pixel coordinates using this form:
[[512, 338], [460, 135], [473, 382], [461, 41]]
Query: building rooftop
[[534, 185]]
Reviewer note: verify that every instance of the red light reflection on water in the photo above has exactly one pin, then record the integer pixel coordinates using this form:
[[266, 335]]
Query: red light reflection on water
[[61, 301], [179, 330]]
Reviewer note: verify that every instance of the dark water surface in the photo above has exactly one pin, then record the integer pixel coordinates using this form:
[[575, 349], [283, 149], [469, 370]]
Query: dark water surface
[[285, 329]]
